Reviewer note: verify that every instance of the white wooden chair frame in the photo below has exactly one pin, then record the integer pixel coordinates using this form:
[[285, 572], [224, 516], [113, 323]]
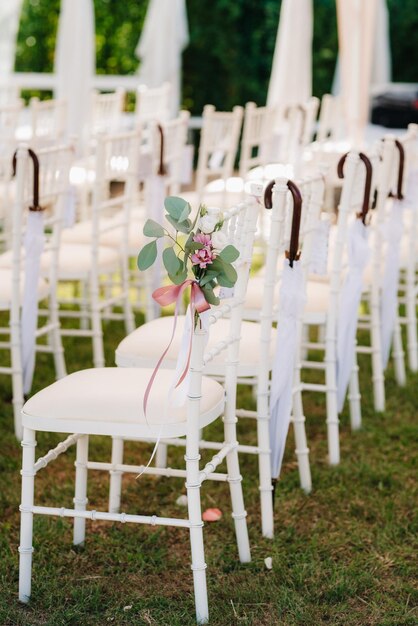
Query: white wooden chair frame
[[245, 218], [53, 186]]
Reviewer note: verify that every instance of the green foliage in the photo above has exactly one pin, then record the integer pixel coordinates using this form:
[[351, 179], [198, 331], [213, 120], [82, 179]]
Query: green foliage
[[153, 229], [147, 256], [229, 58]]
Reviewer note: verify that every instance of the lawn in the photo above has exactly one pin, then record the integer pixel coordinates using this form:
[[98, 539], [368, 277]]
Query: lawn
[[344, 555]]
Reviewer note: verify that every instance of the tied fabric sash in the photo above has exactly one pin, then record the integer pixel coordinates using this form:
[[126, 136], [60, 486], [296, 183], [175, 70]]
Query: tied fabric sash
[[34, 245], [358, 256], [168, 295], [291, 304]]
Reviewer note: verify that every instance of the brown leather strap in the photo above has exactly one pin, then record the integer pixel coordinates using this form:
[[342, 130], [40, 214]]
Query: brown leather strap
[[368, 184], [35, 201], [399, 194], [293, 253], [162, 170]]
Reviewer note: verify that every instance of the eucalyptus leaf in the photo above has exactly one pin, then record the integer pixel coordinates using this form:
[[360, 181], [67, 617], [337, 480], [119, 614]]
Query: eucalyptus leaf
[[185, 213], [229, 254], [207, 278], [195, 246], [147, 256], [210, 296], [223, 281], [182, 227], [153, 229], [230, 273], [171, 262], [175, 207]]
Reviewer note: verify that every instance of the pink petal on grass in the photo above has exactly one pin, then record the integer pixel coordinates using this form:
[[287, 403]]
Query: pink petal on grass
[[212, 515]]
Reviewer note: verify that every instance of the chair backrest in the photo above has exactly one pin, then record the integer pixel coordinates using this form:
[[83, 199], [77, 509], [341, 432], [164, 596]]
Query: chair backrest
[[48, 121], [9, 120], [152, 104], [256, 137], [298, 129], [106, 111], [218, 144], [240, 226], [169, 141], [116, 159]]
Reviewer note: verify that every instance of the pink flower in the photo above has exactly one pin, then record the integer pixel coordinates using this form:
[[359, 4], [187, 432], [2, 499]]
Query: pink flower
[[205, 255]]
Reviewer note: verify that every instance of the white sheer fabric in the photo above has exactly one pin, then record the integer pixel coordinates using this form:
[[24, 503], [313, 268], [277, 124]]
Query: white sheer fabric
[[358, 256], [164, 37], [75, 62], [356, 35], [9, 25], [389, 298], [291, 74], [34, 245], [291, 304]]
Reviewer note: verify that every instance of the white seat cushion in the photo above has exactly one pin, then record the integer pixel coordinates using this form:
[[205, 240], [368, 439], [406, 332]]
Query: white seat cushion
[[144, 346], [82, 233], [317, 295], [74, 260], [109, 401], [6, 288]]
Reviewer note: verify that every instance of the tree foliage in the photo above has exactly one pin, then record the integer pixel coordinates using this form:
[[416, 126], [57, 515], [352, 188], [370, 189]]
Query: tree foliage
[[231, 47]]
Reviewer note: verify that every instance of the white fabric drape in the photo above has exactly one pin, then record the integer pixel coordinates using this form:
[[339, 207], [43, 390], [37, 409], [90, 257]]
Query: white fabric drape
[[9, 26], [389, 295], [356, 35], [358, 256], [291, 303], [382, 58], [164, 37], [75, 62], [34, 245], [291, 74]]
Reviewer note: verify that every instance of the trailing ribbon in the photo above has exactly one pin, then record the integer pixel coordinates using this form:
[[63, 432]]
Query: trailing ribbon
[[168, 295]]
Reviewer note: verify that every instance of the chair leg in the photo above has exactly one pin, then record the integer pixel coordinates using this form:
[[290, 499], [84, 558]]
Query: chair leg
[[411, 329], [26, 515], [239, 514], [196, 532], [55, 339], [96, 324], [354, 397], [398, 355], [161, 455], [302, 450], [332, 414], [80, 499], [264, 469], [17, 383], [377, 363], [116, 476], [127, 307]]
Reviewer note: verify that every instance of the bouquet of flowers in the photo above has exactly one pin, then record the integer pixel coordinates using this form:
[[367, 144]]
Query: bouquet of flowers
[[199, 248]]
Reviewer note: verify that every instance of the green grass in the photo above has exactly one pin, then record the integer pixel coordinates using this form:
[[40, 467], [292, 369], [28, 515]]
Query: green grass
[[344, 555]]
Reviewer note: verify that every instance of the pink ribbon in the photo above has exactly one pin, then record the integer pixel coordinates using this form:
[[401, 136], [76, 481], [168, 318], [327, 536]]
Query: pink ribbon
[[165, 296]]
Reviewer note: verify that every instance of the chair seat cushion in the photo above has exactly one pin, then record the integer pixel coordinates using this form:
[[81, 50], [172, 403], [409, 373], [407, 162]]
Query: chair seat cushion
[[317, 296], [144, 346], [82, 233], [6, 288], [74, 260], [109, 401]]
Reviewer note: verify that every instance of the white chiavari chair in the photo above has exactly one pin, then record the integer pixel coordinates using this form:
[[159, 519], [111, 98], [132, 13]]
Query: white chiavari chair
[[106, 112], [109, 401], [256, 137], [96, 251], [152, 104], [217, 151], [48, 121], [36, 222], [9, 121], [255, 358]]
